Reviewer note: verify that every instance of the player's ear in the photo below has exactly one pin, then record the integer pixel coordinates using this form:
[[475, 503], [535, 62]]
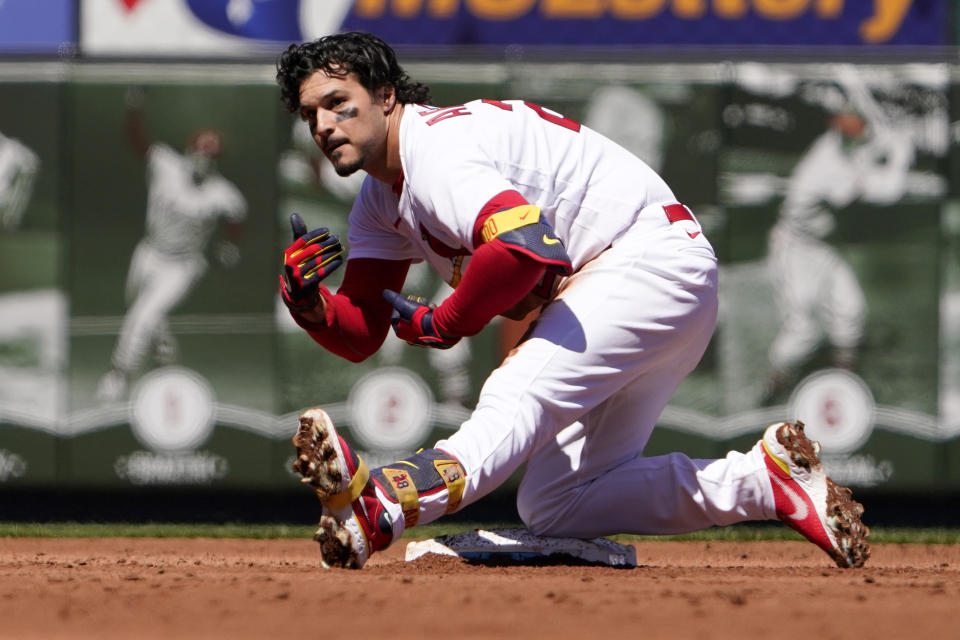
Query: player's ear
[[387, 96]]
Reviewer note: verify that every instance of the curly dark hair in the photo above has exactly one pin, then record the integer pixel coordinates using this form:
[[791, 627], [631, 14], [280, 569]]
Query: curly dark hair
[[365, 55]]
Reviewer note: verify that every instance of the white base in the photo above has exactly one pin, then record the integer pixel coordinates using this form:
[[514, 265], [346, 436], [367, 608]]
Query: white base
[[519, 545]]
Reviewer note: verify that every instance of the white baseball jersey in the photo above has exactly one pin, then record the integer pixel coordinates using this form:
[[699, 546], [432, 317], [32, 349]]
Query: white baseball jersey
[[830, 174], [456, 159], [18, 164], [181, 214]]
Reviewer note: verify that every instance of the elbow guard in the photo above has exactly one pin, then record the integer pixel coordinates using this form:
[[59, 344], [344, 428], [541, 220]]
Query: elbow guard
[[523, 230]]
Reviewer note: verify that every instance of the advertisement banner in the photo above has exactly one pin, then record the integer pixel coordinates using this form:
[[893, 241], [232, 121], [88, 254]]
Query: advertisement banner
[[228, 28], [210, 28], [654, 22], [31, 27]]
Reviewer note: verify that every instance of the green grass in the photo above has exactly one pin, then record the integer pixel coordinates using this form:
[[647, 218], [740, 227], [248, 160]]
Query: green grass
[[287, 531]]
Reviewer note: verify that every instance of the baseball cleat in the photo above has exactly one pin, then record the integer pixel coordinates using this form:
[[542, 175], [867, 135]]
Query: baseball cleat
[[355, 522], [808, 501]]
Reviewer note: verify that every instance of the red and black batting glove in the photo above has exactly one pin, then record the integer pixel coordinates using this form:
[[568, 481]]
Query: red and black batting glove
[[412, 321], [312, 257]]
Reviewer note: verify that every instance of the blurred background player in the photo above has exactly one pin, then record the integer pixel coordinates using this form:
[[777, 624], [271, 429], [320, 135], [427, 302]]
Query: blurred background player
[[32, 337], [186, 199], [860, 156], [18, 168], [519, 206], [631, 119]]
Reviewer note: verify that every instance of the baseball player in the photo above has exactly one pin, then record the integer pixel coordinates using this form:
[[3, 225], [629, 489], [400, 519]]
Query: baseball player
[[186, 198], [18, 168], [860, 157], [517, 206]]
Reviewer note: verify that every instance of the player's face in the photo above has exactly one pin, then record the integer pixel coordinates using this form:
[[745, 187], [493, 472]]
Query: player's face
[[347, 123], [203, 152], [851, 125]]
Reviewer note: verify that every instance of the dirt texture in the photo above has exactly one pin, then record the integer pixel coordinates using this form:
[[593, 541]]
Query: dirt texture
[[204, 588]]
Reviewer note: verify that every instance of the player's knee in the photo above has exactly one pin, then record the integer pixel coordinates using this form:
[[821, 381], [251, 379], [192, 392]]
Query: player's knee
[[531, 520], [535, 511], [526, 508]]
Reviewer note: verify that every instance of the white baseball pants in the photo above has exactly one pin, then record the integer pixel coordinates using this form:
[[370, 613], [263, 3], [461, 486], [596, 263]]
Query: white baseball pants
[[579, 399], [817, 293], [157, 282]]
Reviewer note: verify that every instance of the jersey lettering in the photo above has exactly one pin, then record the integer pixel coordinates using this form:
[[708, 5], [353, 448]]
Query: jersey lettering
[[441, 114], [554, 117], [451, 112], [546, 114], [497, 103]]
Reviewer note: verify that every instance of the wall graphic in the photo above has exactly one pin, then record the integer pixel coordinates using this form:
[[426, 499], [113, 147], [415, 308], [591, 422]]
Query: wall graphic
[[143, 213]]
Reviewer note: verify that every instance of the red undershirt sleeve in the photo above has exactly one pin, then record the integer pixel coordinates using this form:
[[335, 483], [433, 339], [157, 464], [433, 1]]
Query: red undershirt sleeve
[[357, 316], [495, 280]]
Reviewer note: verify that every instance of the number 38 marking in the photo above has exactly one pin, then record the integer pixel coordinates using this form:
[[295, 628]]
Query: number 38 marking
[[546, 114]]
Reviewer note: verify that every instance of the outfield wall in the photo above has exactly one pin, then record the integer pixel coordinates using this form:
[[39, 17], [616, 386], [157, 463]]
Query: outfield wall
[[215, 405]]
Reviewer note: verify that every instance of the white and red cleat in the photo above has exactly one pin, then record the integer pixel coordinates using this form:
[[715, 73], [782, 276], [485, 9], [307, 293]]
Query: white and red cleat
[[355, 522], [810, 502]]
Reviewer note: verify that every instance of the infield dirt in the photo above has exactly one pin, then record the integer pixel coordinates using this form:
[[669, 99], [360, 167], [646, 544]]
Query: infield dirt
[[214, 588]]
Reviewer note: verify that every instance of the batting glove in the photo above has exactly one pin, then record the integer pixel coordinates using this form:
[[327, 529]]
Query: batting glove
[[312, 257], [412, 321]]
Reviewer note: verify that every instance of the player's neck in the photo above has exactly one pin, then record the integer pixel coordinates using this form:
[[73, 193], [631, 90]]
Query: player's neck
[[388, 168]]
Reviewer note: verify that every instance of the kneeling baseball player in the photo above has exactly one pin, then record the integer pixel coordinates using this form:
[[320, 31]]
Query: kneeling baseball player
[[518, 207]]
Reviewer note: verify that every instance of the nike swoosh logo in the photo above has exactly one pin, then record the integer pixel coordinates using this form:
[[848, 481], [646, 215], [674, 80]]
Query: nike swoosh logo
[[548, 240], [693, 235], [800, 511]]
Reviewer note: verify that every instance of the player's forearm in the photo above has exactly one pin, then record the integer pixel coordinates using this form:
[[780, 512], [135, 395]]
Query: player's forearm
[[884, 176], [136, 132], [496, 279], [344, 328], [354, 322]]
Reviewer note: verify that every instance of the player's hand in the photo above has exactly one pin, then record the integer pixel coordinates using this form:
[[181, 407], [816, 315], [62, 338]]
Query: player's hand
[[227, 254], [312, 257], [412, 321]]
